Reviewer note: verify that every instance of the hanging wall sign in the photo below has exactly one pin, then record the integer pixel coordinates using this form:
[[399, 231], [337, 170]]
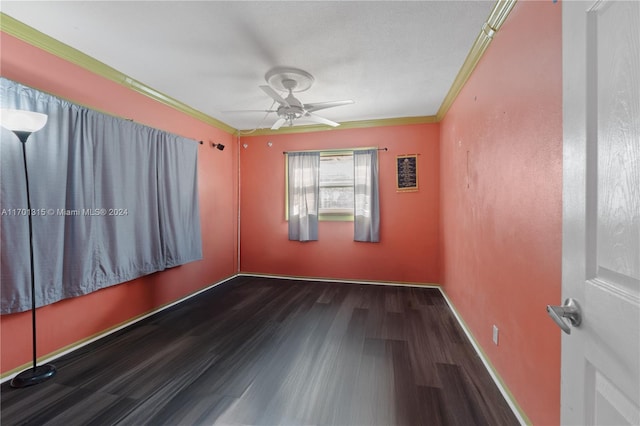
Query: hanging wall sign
[[407, 172]]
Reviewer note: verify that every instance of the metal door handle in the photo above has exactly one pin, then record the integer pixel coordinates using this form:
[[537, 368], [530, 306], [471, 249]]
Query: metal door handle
[[571, 310]]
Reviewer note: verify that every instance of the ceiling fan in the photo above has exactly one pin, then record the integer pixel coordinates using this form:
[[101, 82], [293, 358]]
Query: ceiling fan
[[290, 108]]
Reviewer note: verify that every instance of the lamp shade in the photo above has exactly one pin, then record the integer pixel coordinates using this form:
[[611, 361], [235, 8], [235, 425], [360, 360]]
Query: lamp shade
[[18, 120]]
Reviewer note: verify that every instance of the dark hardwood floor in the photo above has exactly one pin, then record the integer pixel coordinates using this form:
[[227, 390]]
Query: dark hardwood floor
[[264, 351]]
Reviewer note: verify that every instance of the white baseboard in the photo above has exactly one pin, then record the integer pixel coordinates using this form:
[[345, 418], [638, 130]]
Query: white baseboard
[[494, 375], [339, 280]]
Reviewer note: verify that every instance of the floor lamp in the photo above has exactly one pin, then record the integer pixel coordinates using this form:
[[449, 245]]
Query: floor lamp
[[23, 124]]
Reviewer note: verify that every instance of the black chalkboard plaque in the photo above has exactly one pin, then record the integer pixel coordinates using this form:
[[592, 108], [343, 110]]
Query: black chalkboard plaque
[[407, 172]]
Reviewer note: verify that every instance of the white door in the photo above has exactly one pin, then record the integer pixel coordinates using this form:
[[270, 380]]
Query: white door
[[601, 211]]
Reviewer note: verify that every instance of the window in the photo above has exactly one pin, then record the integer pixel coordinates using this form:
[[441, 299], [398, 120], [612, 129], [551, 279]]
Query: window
[[332, 185], [336, 186]]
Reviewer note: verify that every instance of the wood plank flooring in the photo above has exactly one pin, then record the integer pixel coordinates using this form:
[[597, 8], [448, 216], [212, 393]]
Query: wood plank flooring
[[265, 351]]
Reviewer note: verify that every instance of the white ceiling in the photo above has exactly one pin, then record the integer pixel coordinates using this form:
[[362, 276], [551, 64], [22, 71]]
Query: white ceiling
[[393, 58]]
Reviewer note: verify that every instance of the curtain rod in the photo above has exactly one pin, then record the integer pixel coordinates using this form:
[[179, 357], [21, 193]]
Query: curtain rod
[[338, 150]]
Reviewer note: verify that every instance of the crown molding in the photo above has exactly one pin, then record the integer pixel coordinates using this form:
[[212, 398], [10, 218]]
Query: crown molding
[[496, 18], [401, 121], [42, 41]]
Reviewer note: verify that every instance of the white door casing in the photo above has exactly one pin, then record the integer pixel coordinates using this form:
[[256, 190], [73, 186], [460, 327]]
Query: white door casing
[[601, 211]]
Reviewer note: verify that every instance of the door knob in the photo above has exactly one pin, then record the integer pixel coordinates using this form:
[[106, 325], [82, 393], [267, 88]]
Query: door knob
[[570, 310]]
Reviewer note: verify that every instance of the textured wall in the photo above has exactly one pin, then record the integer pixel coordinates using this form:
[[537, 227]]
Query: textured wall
[[408, 250], [501, 204]]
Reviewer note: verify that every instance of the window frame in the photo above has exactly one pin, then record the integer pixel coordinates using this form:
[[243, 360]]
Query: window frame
[[339, 216]]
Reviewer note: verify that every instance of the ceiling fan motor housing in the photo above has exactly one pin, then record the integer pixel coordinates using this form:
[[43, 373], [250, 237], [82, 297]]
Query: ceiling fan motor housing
[[291, 112], [295, 108]]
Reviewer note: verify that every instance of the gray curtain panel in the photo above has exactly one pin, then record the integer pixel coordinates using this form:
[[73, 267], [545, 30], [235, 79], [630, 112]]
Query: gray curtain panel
[[304, 195], [178, 201], [366, 214], [113, 200]]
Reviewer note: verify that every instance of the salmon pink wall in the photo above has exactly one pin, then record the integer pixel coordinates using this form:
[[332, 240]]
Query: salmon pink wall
[[408, 250], [501, 204], [72, 320]]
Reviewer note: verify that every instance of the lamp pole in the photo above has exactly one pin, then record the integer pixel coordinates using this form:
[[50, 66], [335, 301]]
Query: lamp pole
[[23, 124]]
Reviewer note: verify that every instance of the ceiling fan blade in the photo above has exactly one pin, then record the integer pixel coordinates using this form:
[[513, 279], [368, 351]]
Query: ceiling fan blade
[[278, 124], [322, 105], [321, 120], [274, 95]]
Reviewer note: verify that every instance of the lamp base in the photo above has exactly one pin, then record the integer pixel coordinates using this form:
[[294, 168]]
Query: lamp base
[[33, 376]]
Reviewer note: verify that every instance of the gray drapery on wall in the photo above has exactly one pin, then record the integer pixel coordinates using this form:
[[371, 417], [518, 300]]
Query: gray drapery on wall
[[304, 195], [112, 200], [366, 215]]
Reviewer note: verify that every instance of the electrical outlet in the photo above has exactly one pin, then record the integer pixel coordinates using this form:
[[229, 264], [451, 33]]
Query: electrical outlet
[[495, 335]]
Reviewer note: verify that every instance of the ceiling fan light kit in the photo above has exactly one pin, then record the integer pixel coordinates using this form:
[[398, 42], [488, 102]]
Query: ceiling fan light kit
[[290, 109]]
